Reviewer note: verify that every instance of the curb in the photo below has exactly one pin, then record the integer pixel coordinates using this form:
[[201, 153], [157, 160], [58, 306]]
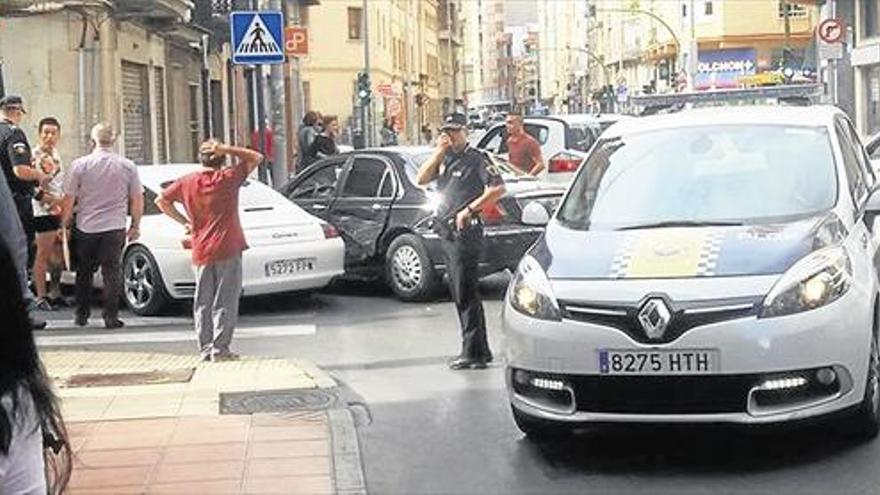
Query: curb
[[348, 470]]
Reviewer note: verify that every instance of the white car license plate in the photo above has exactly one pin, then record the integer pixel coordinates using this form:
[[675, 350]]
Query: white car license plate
[[287, 267], [659, 362]]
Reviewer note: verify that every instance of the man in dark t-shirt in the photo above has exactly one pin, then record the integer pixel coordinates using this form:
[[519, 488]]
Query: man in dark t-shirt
[[467, 182]]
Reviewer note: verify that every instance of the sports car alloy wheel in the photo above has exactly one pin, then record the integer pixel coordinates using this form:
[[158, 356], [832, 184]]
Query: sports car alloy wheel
[[143, 288]]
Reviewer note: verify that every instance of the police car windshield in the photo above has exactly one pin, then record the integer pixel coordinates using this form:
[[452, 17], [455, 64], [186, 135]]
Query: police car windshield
[[703, 175]]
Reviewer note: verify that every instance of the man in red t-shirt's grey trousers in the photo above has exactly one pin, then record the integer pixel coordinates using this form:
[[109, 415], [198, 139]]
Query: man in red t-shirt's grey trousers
[[210, 197]]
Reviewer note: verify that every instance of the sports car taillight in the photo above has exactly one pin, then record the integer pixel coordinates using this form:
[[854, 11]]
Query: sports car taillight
[[330, 232], [564, 162]]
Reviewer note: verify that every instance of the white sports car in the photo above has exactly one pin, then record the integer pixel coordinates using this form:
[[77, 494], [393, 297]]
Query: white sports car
[[711, 266], [289, 249]]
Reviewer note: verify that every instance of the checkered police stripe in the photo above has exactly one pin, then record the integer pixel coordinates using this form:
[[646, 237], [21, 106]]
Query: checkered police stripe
[[709, 254], [621, 261]]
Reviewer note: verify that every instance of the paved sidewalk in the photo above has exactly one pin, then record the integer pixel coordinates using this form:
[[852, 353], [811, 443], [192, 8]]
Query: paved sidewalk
[[151, 423]]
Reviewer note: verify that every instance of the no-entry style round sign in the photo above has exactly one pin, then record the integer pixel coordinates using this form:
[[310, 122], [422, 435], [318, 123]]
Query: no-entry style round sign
[[831, 30]]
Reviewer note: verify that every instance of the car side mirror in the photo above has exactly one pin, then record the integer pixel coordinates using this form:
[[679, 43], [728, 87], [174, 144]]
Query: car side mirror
[[872, 208], [535, 214]]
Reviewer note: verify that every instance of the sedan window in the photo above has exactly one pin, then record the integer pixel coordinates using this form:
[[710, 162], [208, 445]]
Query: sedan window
[[319, 184], [365, 178], [494, 141]]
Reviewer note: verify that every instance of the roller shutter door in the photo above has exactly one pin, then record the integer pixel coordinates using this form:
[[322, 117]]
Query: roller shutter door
[[136, 113]]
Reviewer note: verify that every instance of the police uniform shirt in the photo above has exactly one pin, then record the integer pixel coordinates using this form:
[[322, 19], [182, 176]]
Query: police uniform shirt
[[15, 151], [463, 179]]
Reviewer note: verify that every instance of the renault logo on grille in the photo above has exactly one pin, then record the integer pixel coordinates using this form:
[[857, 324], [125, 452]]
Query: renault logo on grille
[[654, 318]]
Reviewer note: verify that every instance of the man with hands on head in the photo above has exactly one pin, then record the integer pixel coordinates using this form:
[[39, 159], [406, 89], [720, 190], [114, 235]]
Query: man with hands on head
[[468, 182], [210, 198]]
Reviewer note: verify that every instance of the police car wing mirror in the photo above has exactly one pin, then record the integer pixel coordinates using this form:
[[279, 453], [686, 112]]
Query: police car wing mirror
[[535, 214], [872, 209]]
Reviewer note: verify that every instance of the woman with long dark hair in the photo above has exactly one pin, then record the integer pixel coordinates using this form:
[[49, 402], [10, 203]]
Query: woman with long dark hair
[[29, 415]]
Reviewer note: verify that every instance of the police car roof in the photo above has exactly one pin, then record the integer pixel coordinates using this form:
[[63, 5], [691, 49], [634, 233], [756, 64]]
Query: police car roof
[[795, 116]]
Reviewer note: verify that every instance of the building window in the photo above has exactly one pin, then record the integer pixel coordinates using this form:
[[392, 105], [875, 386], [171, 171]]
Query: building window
[[793, 9], [355, 23], [870, 19], [708, 8]]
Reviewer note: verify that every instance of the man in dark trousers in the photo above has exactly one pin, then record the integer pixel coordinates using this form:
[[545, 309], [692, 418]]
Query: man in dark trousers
[[105, 187], [21, 178], [468, 182]]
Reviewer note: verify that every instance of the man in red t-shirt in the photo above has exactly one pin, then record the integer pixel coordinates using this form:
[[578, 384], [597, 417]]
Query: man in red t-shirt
[[210, 197], [524, 152]]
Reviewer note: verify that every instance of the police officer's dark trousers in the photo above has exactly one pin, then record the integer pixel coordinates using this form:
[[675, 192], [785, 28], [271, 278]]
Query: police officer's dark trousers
[[462, 254]]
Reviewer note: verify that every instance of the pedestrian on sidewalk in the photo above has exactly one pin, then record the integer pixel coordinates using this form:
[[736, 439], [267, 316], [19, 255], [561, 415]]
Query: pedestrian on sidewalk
[[324, 144], [467, 182], [524, 152], [306, 135], [16, 181], [30, 419], [210, 197], [47, 216], [105, 186]]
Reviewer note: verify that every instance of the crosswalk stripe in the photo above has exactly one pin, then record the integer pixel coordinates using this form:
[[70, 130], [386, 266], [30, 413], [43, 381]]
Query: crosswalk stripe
[[251, 332]]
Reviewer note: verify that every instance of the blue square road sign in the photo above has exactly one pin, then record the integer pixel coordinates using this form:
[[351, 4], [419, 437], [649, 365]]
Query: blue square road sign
[[257, 37]]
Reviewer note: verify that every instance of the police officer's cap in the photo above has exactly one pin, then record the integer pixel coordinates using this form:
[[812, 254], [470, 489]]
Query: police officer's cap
[[454, 122], [12, 102]]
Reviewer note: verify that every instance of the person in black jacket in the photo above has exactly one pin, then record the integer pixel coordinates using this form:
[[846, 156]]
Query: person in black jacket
[[325, 142]]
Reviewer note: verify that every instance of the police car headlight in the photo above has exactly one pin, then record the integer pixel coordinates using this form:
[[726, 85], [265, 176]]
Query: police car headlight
[[531, 294], [818, 279]]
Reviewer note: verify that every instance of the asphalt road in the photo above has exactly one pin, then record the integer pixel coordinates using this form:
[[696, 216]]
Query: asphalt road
[[426, 429]]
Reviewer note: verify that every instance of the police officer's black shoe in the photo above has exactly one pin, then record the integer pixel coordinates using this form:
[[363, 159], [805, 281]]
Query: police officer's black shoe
[[463, 363]]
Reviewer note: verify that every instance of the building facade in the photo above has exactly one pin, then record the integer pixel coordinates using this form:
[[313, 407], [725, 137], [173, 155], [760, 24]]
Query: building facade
[[138, 68], [405, 62], [866, 63], [644, 46]]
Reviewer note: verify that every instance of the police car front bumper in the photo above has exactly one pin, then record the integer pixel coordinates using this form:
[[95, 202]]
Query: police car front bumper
[[768, 370]]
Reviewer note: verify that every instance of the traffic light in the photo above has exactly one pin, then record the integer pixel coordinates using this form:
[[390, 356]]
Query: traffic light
[[363, 86]]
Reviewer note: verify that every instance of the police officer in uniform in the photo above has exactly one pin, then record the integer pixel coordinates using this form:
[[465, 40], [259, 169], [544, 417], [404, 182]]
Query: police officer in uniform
[[468, 182], [20, 176]]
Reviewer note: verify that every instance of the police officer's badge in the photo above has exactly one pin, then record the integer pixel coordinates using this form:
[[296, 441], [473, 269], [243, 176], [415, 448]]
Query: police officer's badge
[[19, 148]]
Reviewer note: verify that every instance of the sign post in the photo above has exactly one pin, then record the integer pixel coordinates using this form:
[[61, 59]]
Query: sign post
[[258, 39]]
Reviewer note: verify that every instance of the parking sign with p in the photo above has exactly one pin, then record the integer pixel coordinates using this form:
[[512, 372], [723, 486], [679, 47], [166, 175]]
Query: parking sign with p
[[296, 41]]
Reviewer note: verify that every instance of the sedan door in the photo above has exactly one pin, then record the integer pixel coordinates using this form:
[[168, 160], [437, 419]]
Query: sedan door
[[317, 188], [364, 204]]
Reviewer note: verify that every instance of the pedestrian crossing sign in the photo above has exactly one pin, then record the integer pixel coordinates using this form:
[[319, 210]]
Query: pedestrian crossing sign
[[257, 37]]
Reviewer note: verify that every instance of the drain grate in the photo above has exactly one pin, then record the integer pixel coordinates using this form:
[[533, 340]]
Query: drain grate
[[123, 379], [277, 401]]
